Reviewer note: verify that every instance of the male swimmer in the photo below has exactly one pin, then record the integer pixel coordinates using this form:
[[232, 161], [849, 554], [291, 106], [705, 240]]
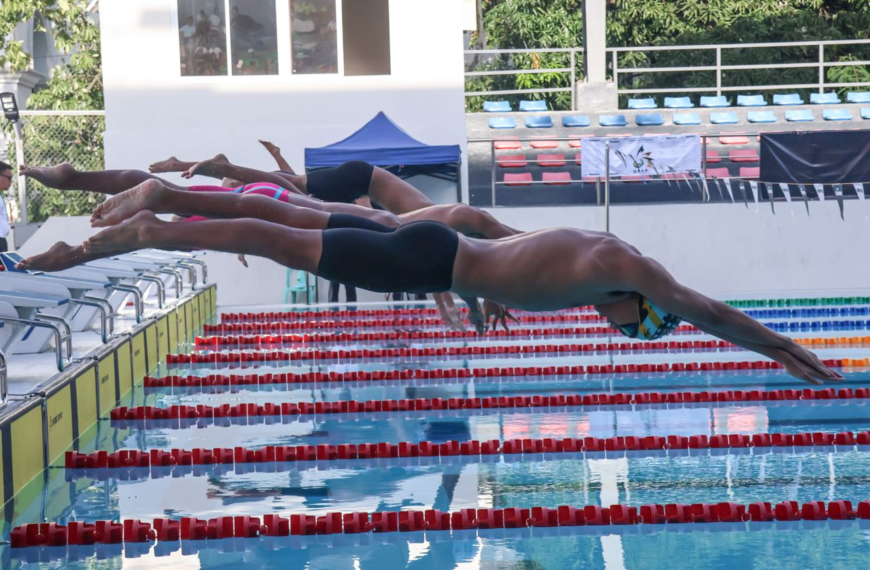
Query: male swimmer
[[537, 271]]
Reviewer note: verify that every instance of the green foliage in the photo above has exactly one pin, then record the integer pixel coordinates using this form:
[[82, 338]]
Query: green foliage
[[76, 84], [558, 24]]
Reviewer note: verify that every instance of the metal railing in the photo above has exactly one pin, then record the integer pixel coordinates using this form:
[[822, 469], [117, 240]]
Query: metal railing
[[570, 71], [717, 86], [48, 138]]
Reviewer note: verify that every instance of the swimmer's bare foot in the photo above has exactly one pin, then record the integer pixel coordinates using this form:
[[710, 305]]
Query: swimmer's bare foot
[[52, 176], [206, 167], [135, 233], [271, 147], [60, 256], [171, 164], [145, 196]]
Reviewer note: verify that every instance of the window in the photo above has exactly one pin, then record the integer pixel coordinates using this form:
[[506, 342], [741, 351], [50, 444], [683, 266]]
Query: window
[[240, 37], [254, 37], [366, 37], [202, 37], [313, 36]]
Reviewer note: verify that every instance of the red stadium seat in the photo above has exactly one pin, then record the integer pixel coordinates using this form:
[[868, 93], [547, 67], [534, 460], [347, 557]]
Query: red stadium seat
[[718, 173], [576, 142], [551, 160], [512, 160], [713, 156], [511, 143], [750, 172], [543, 142], [743, 155], [578, 159], [734, 139], [521, 179], [556, 177]]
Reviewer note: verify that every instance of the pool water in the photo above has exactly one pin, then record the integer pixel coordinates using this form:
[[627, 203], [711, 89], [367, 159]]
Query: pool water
[[500, 481]]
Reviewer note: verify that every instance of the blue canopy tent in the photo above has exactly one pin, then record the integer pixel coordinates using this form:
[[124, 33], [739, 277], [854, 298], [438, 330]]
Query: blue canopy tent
[[383, 143]]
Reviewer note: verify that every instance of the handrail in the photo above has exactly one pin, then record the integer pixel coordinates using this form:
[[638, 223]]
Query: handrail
[[58, 336], [820, 63], [139, 304], [194, 278], [161, 288], [51, 113], [4, 380], [179, 280], [202, 265], [105, 315]]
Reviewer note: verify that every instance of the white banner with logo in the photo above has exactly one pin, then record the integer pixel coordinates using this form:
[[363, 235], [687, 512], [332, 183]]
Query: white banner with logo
[[642, 156]]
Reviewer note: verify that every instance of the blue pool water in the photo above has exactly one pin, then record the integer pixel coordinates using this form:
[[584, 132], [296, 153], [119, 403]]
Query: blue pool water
[[448, 484]]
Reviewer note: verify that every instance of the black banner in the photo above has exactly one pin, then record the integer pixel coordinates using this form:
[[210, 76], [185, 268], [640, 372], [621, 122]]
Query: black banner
[[828, 157]]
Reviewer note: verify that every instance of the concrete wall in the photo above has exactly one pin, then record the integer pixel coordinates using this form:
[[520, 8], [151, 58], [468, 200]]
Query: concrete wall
[[152, 112]]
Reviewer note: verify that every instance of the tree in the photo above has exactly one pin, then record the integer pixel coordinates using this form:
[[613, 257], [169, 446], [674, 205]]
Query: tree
[[558, 24], [75, 84]]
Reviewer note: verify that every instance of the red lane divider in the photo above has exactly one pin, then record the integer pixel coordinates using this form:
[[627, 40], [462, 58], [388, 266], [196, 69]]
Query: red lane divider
[[327, 452], [223, 339], [419, 374], [382, 313], [366, 353], [168, 530], [415, 322], [494, 402]]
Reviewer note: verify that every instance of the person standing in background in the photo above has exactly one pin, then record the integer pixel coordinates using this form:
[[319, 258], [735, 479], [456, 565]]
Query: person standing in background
[[5, 185]]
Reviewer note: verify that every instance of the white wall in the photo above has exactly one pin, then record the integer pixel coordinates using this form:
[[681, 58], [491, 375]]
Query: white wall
[[152, 112], [727, 250]]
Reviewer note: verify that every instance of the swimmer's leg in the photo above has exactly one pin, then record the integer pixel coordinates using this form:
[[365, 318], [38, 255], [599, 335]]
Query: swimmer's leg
[[220, 167], [465, 219], [66, 177], [62, 256], [395, 194], [294, 248], [276, 154], [152, 195]]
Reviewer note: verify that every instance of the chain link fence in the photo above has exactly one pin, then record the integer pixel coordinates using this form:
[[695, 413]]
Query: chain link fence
[[50, 138]]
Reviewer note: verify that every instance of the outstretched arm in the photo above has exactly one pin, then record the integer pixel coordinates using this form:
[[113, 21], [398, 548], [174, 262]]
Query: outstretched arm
[[648, 278]]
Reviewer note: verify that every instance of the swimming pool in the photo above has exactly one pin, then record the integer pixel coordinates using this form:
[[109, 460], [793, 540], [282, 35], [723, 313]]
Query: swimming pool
[[451, 482]]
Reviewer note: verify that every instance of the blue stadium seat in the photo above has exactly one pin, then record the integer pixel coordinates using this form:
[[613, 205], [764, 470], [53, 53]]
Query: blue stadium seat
[[836, 115], [539, 122], [761, 117], [653, 120], [865, 113], [502, 123], [575, 121], [788, 99], [642, 103], [533, 105], [496, 107], [726, 118], [717, 101], [687, 119], [858, 97], [824, 98], [799, 115], [751, 101], [612, 120], [678, 103]]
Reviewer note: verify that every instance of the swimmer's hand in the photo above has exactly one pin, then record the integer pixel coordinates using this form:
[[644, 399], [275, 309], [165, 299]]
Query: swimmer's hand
[[478, 321], [241, 258], [803, 364], [452, 317], [496, 314]]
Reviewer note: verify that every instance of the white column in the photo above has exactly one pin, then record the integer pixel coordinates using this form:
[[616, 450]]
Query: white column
[[595, 39]]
